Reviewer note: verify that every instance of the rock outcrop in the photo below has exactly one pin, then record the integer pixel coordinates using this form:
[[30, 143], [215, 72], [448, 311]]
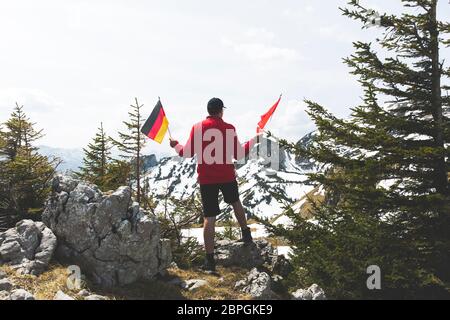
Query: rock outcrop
[[111, 238], [193, 284], [258, 285], [28, 247], [96, 297], [280, 265], [21, 294], [233, 253], [62, 296], [314, 292]]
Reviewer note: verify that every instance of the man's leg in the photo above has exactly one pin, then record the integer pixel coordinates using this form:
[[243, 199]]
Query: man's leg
[[239, 212], [210, 202], [209, 225], [230, 193]]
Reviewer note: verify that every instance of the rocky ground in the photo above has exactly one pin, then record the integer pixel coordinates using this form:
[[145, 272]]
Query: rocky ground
[[117, 251], [260, 278]]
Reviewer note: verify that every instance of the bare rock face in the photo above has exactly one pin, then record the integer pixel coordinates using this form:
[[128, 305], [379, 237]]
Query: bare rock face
[[28, 247], [234, 253], [314, 292], [21, 294], [62, 296], [258, 285], [112, 239], [193, 284]]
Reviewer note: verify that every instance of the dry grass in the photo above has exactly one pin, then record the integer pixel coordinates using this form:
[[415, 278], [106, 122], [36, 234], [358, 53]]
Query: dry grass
[[314, 198], [277, 241], [43, 287], [306, 210], [220, 287]]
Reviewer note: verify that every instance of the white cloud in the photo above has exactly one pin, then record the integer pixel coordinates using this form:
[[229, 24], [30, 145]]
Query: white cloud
[[258, 46], [337, 33], [290, 121], [74, 64], [34, 100], [260, 33], [260, 52]]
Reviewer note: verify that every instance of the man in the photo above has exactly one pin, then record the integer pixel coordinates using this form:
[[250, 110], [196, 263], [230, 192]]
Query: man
[[215, 143]]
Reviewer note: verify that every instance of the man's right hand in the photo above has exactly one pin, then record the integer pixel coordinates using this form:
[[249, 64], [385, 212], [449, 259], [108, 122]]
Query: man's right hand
[[173, 143]]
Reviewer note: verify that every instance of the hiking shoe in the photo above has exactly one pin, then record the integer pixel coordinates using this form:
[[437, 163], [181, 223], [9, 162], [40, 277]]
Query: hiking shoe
[[246, 236]]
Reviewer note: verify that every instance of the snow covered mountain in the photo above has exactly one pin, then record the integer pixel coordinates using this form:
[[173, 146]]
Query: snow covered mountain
[[264, 190], [71, 158]]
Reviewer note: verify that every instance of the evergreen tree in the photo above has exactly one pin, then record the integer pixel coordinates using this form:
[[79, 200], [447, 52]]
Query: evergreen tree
[[131, 142], [96, 159], [19, 133], [385, 169], [24, 174], [118, 174]]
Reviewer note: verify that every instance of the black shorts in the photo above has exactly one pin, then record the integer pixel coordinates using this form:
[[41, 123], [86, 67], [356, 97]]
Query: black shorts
[[210, 196]]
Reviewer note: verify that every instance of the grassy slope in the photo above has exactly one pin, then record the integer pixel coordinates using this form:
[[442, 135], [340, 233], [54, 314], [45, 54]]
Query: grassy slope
[[220, 287]]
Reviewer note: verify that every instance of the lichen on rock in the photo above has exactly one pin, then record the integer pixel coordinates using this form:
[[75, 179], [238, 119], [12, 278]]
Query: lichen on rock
[[111, 238], [28, 247]]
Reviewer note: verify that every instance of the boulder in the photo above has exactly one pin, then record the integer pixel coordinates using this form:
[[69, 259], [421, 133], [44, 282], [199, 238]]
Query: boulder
[[193, 284], [301, 294], [111, 238], [62, 296], [5, 295], [234, 253], [96, 297], [84, 293], [280, 265], [258, 285], [314, 292], [317, 292], [21, 294], [5, 285], [28, 247]]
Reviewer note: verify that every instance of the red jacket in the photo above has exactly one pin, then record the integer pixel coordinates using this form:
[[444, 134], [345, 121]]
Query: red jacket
[[215, 143]]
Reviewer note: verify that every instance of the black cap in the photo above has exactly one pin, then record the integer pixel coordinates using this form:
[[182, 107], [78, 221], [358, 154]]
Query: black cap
[[215, 105]]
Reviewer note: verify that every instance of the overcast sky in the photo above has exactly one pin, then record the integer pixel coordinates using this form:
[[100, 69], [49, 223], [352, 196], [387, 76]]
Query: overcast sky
[[74, 64]]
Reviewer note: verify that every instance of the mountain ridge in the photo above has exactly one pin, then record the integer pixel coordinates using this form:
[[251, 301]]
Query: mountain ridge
[[177, 177]]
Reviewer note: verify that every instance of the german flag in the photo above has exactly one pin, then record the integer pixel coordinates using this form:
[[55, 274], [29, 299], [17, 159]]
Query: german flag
[[157, 124]]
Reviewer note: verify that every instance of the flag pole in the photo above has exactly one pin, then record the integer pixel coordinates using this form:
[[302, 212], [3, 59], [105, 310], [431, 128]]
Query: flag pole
[[279, 99], [270, 116], [168, 128]]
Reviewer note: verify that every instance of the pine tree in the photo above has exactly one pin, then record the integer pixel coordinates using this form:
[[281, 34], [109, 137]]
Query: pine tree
[[385, 169], [24, 173], [96, 159], [20, 133], [118, 174], [131, 143]]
